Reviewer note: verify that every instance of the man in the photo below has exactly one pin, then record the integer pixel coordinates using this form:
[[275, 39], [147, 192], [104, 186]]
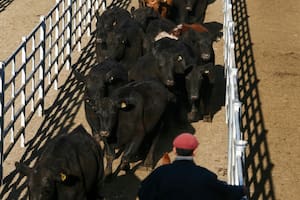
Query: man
[[184, 180]]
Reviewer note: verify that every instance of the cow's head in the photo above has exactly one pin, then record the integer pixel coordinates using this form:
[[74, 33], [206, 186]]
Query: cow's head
[[48, 184], [107, 111], [189, 5], [144, 15], [194, 80], [203, 43]]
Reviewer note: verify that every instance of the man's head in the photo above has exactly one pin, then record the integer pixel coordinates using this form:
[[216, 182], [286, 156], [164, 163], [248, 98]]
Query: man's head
[[185, 144]]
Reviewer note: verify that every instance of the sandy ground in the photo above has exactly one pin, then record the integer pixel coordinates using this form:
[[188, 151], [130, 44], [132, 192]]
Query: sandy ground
[[272, 83], [267, 56]]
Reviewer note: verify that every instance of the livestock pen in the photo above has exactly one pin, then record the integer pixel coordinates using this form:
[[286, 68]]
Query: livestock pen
[[33, 71]]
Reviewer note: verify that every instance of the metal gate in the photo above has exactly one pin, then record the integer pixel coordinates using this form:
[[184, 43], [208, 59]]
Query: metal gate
[[33, 69], [236, 144]]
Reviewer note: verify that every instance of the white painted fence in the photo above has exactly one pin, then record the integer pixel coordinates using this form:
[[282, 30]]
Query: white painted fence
[[236, 144], [33, 69]]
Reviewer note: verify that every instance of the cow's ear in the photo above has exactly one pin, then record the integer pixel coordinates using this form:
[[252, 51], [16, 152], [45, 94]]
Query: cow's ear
[[80, 77], [132, 9], [24, 169]]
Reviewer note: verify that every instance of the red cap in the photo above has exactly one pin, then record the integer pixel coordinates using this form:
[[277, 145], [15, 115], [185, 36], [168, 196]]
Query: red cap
[[185, 141]]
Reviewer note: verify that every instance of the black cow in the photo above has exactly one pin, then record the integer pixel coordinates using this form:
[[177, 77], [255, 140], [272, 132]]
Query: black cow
[[144, 16], [167, 58], [108, 20], [202, 44], [188, 11], [124, 42], [130, 120], [199, 85], [70, 167], [154, 28], [102, 79]]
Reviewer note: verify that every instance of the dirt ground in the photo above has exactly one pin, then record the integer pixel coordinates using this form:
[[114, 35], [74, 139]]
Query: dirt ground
[[268, 50]]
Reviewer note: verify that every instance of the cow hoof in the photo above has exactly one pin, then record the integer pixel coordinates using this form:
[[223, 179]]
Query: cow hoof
[[107, 172], [207, 118], [125, 166]]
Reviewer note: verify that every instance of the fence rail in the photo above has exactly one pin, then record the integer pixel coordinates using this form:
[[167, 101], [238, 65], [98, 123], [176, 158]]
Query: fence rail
[[236, 144], [33, 69]]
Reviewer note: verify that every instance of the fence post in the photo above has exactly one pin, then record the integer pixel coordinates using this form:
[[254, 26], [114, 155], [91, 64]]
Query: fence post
[[89, 21], [80, 24], [69, 34], [23, 93], [42, 66], [56, 46], [2, 84]]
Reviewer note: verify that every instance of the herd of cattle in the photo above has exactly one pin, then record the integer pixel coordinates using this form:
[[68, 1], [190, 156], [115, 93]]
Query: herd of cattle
[[153, 63]]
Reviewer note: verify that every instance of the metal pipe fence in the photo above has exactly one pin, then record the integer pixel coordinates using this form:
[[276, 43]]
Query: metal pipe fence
[[33, 69], [236, 144]]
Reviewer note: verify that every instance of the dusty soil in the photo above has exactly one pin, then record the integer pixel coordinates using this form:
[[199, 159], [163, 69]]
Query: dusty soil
[[268, 53]]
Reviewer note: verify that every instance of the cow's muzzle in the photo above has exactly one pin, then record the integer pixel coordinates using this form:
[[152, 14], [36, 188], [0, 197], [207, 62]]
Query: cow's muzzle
[[194, 97], [188, 8], [170, 83], [205, 56], [104, 133]]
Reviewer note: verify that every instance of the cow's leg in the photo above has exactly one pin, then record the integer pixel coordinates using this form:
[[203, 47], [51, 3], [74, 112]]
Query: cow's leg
[[207, 116], [130, 151], [110, 156], [149, 161], [192, 115]]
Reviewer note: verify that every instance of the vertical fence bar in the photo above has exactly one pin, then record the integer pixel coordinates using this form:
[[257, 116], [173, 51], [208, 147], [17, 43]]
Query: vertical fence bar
[[23, 93], [69, 33], [33, 74], [80, 24], [50, 50], [56, 45], [42, 65], [63, 31], [74, 21], [88, 10], [13, 91], [2, 84]]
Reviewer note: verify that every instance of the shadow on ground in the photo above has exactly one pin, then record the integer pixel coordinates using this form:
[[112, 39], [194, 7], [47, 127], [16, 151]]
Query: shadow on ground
[[4, 4], [258, 162], [58, 118]]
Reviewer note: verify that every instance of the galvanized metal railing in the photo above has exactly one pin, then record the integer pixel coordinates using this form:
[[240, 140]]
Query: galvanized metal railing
[[33, 69], [236, 144]]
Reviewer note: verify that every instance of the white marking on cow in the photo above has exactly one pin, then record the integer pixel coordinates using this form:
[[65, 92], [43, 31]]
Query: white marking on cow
[[164, 34]]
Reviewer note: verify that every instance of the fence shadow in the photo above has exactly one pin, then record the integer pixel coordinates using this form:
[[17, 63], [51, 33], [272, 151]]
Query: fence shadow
[[58, 118], [4, 4], [258, 162]]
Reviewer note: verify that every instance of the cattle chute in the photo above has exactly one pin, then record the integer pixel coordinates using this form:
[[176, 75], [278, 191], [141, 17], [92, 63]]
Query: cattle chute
[[38, 61]]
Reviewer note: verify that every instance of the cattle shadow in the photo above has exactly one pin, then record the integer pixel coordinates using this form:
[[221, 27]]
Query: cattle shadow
[[4, 4], [58, 118], [258, 162]]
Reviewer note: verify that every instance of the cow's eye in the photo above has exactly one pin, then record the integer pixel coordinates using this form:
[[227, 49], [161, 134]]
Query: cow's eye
[[179, 58]]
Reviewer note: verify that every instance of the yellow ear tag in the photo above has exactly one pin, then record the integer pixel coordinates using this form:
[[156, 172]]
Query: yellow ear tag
[[123, 105], [63, 177]]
